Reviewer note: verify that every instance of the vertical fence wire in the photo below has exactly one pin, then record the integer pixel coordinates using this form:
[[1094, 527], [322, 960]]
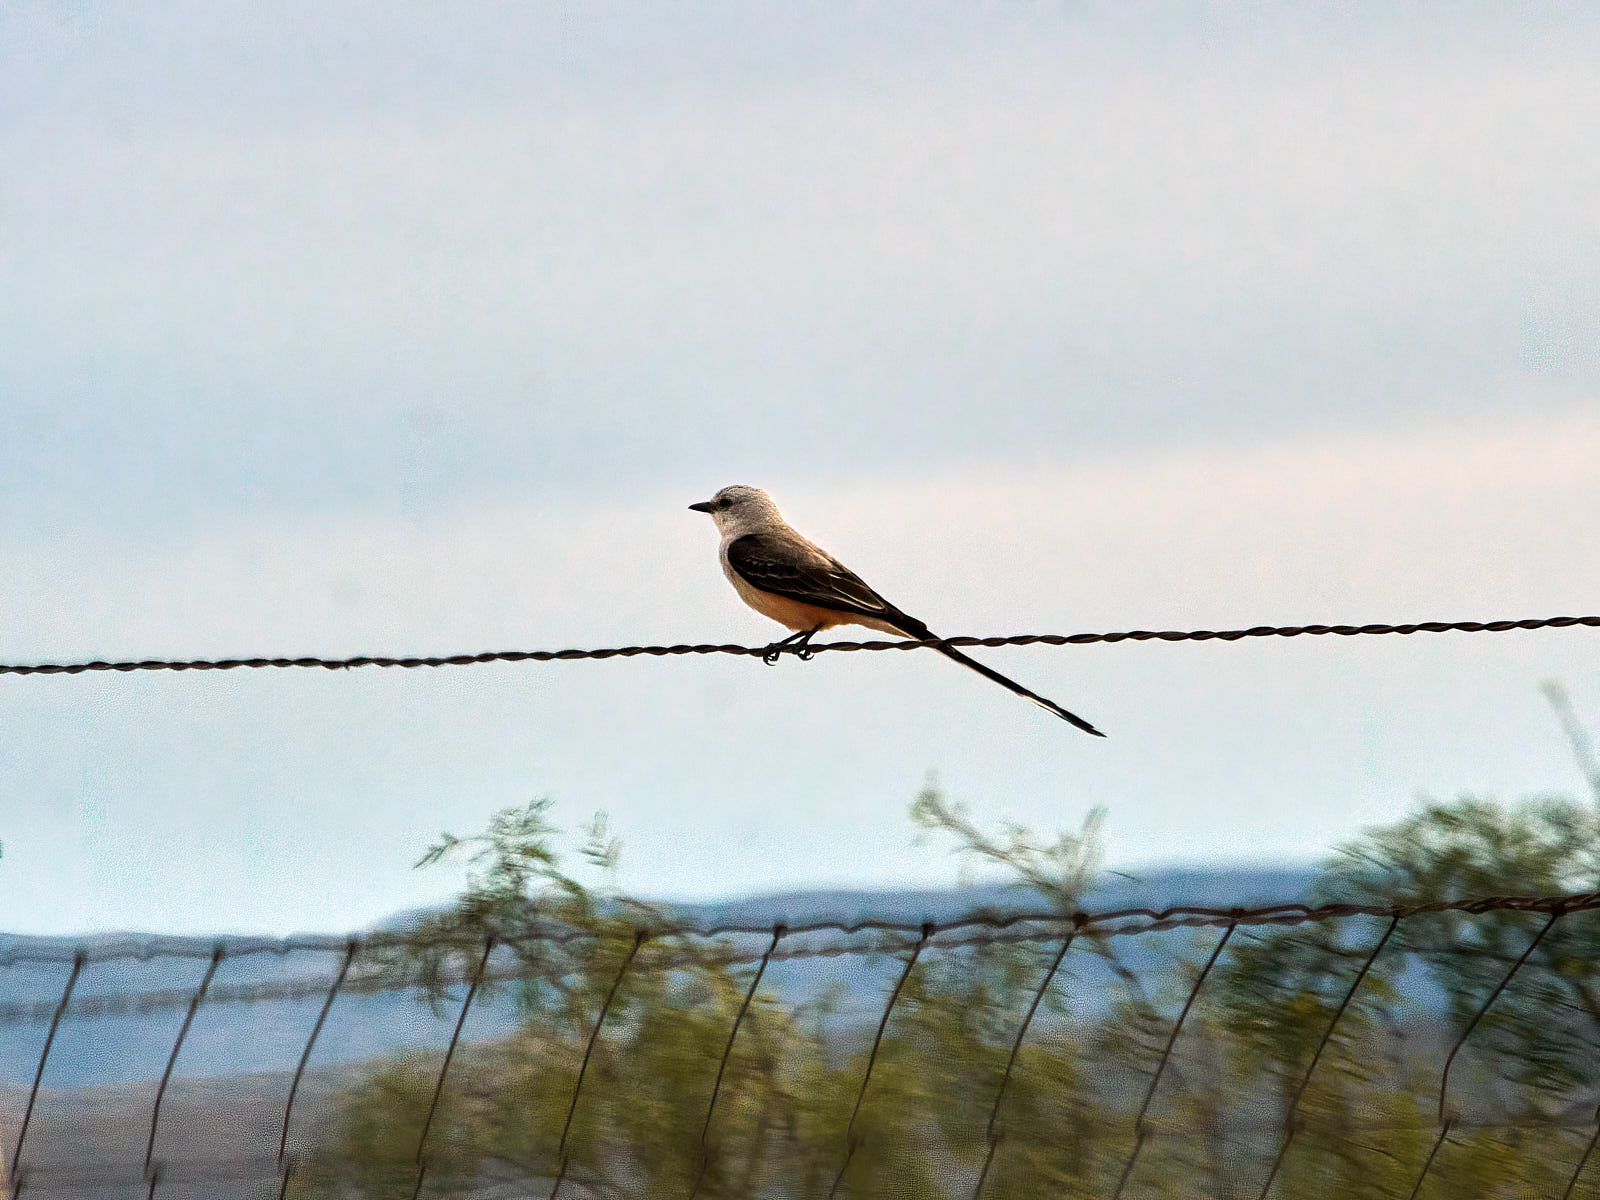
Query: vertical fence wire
[[305, 1055], [1427, 1163], [1141, 1130], [991, 1135], [778, 931], [444, 1068], [850, 1140], [639, 938], [1584, 1160], [1445, 1120], [217, 955], [44, 1056], [1291, 1117], [1444, 1076]]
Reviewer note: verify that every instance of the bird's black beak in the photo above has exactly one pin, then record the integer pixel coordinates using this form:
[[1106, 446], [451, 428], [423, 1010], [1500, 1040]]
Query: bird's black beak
[[704, 506]]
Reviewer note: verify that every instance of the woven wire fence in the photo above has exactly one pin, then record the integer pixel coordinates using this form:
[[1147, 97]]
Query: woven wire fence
[[1160, 993]]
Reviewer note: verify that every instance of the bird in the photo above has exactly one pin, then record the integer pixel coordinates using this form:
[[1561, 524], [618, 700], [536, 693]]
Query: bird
[[798, 584]]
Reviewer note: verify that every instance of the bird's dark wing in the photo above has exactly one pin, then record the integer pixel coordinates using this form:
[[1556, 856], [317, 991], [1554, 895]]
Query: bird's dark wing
[[797, 570]]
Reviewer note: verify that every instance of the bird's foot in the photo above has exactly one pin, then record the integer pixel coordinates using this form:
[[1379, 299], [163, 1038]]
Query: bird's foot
[[802, 648], [794, 643], [775, 651]]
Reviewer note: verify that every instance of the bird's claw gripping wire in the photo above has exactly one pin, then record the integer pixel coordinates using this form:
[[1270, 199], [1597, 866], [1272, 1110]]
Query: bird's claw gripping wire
[[795, 643]]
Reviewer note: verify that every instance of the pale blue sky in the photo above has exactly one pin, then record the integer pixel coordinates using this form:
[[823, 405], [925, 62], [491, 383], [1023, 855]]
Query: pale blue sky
[[358, 328]]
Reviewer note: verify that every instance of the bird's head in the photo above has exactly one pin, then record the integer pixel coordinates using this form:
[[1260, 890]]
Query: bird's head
[[740, 509]]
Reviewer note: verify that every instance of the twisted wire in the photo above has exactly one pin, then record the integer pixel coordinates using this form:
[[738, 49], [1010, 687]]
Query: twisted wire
[[410, 662]]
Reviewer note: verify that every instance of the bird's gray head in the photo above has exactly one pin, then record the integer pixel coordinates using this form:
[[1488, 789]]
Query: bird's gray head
[[740, 509]]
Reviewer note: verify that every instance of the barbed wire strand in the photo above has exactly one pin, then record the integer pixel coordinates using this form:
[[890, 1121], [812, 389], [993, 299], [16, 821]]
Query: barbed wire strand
[[411, 662], [1291, 1117], [1166, 1055], [217, 955], [852, 1143]]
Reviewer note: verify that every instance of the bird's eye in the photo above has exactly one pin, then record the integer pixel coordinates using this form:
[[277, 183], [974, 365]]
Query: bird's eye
[[724, 502]]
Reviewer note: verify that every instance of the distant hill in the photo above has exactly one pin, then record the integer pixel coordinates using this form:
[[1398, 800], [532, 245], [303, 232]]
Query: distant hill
[[268, 1035], [1153, 889]]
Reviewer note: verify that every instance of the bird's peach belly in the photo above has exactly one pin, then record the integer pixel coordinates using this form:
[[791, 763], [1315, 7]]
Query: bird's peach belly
[[794, 614]]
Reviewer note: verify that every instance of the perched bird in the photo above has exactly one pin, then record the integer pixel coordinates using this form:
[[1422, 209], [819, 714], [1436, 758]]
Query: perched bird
[[798, 584]]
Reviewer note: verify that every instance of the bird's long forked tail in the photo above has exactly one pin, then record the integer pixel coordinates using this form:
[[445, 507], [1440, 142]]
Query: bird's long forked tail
[[1012, 685]]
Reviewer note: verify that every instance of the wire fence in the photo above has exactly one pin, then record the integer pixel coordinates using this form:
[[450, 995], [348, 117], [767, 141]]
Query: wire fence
[[1363, 953], [619, 953], [772, 651]]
